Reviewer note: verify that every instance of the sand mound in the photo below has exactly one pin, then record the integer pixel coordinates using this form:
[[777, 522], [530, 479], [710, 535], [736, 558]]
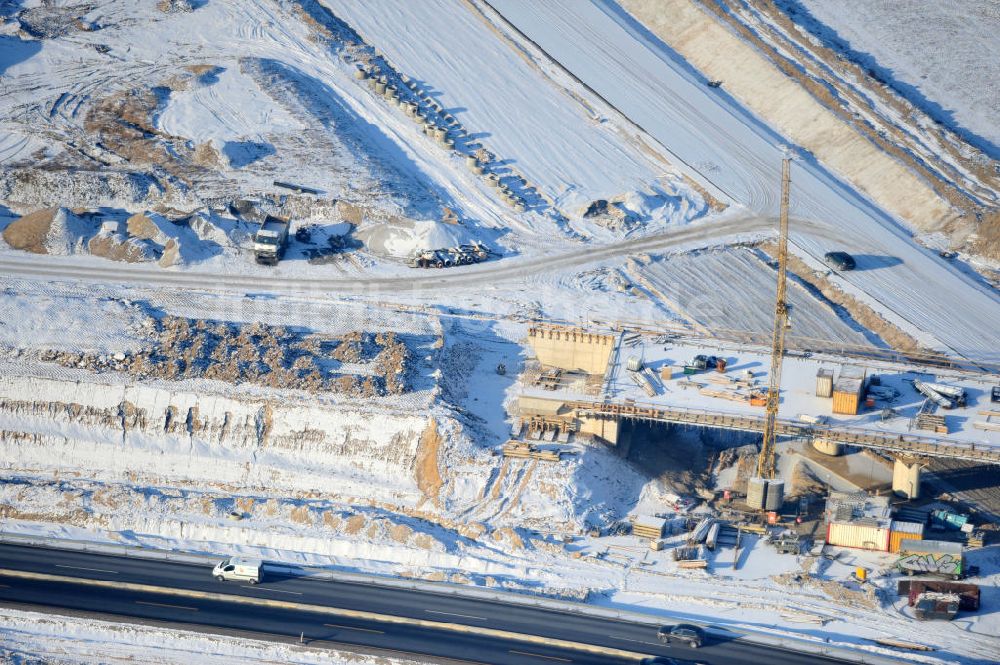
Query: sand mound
[[401, 238], [29, 232]]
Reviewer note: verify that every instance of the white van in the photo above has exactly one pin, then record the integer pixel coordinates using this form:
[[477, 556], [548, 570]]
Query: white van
[[235, 568]]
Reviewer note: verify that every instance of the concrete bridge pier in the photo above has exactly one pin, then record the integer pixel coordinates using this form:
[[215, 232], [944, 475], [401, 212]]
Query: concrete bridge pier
[[906, 472], [827, 447]]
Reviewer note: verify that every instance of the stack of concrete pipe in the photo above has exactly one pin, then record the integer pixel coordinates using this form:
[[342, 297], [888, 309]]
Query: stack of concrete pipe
[[443, 133]]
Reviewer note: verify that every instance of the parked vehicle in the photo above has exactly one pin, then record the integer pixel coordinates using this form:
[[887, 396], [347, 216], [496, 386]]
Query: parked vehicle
[[270, 241], [839, 260], [945, 519], [685, 633], [239, 569]]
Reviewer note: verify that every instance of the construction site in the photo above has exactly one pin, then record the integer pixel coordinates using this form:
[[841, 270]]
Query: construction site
[[834, 442], [680, 308]]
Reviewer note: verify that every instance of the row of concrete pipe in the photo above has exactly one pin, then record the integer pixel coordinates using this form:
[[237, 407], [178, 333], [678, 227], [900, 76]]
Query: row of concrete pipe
[[442, 127]]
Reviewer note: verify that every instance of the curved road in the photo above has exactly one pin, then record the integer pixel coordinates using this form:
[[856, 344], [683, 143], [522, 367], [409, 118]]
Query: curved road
[[481, 273]]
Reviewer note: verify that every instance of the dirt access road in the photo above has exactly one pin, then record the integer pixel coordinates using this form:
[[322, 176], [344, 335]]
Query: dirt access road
[[514, 269]]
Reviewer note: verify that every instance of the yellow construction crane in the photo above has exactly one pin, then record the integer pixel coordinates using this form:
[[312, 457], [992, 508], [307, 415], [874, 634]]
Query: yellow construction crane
[[765, 464]]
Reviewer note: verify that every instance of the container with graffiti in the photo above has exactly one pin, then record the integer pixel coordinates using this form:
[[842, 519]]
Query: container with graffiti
[[934, 557]]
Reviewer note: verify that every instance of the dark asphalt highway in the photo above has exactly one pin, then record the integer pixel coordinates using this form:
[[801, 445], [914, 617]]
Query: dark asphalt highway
[[331, 629]]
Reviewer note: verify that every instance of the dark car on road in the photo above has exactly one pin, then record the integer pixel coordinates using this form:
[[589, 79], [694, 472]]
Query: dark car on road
[[839, 260], [685, 633]]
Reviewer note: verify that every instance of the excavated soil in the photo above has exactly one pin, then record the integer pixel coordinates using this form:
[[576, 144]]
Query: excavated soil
[[428, 475], [181, 348], [29, 232]]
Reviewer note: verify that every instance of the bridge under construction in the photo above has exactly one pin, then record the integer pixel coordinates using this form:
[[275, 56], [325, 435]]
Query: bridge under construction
[[590, 382]]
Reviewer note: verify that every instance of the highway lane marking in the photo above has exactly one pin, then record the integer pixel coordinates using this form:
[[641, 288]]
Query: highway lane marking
[[538, 655], [363, 630], [452, 614], [628, 639], [93, 570], [327, 610], [176, 607], [264, 588], [4, 586]]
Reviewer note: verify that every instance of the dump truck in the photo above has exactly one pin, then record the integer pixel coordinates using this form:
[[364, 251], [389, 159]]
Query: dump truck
[[945, 519], [270, 241]]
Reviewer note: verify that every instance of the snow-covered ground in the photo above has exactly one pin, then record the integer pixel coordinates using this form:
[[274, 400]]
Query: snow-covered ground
[[937, 55], [359, 486], [31, 637], [714, 290]]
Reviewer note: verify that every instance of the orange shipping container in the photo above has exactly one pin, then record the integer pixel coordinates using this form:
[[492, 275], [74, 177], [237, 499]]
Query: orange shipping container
[[862, 534], [845, 402], [904, 531]]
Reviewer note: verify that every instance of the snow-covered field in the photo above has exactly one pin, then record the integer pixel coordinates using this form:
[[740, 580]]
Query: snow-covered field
[[937, 55], [711, 289], [343, 410]]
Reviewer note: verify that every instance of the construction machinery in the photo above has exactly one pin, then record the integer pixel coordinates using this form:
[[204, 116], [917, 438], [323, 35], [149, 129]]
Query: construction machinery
[[771, 500], [270, 240]]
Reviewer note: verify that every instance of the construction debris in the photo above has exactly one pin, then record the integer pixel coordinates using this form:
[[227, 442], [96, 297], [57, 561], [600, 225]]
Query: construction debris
[[946, 396], [690, 557], [524, 450]]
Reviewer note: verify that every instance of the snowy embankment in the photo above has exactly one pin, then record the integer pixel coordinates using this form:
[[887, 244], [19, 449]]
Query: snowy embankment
[[26, 637], [927, 51]]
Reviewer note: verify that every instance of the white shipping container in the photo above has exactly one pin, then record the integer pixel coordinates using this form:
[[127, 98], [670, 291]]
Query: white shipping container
[[865, 535]]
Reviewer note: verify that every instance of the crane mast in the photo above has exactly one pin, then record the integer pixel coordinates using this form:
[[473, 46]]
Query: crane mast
[[765, 463]]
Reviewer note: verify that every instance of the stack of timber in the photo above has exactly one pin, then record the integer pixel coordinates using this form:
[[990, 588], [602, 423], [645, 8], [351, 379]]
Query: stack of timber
[[991, 423]]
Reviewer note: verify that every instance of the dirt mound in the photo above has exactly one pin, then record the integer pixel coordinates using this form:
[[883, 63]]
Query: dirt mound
[[118, 248], [51, 231], [428, 476], [987, 239], [29, 232]]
